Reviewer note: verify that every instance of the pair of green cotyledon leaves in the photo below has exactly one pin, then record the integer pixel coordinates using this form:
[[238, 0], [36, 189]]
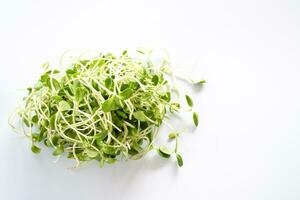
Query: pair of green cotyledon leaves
[[165, 152], [190, 103]]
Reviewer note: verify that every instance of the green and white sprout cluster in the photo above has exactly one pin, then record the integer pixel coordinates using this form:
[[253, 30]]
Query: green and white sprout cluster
[[105, 108]]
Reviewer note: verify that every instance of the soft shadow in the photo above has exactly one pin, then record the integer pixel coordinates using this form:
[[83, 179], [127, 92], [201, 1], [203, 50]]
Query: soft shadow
[[116, 181], [198, 87], [127, 176], [195, 87]]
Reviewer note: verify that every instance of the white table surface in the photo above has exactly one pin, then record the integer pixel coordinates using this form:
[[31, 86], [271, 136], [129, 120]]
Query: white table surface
[[247, 144]]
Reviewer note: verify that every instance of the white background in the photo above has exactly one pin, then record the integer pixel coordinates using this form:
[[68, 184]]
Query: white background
[[247, 144]]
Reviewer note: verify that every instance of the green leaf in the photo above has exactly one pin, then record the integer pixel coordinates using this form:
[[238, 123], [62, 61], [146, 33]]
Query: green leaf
[[57, 140], [52, 71], [79, 93], [57, 98], [118, 102], [121, 114], [140, 115], [70, 71], [70, 155], [137, 147], [111, 160], [38, 85], [101, 62], [167, 97], [45, 65], [56, 84], [58, 151], [47, 143], [52, 121], [35, 137], [141, 51], [82, 157], [125, 94], [172, 135], [164, 152], [174, 107], [195, 118], [200, 82], [179, 160], [35, 149], [109, 83], [155, 79], [26, 122], [110, 104], [110, 150], [45, 80], [29, 89], [132, 131], [63, 105], [149, 113], [133, 85], [189, 100], [35, 119], [92, 153], [100, 137], [124, 52]]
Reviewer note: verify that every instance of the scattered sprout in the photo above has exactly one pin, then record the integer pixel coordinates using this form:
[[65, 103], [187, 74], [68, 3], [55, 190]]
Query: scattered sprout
[[201, 82], [164, 152], [35, 149], [195, 119], [189, 100], [58, 151], [172, 135], [179, 160]]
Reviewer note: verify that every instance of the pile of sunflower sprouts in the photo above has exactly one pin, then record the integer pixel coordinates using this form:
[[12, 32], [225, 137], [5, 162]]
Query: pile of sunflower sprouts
[[106, 108]]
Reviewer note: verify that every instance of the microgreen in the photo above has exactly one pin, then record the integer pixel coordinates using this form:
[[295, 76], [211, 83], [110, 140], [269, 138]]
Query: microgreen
[[35, 149], [110, 104], [195, 118], [105, 108], [58, 151], [164, 152], [179, 160], [172, 135], [140, 115], [189, 100], [201, 81]]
